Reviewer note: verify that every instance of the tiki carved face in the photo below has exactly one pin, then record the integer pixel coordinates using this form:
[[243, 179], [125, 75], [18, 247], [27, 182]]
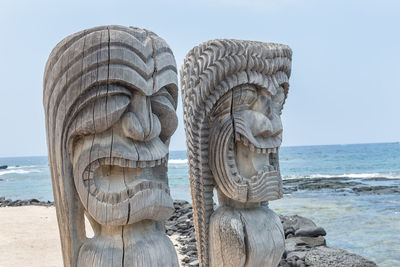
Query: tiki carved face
[[120, 173], [116, 89], [246, 136]]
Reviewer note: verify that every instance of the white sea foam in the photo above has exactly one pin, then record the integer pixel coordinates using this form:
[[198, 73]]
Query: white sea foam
[[18, 171], [348, 175], [20, 167], [177, 161]]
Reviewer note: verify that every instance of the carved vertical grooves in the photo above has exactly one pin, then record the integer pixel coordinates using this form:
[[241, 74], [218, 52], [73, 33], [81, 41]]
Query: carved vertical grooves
[[246, 239], [154, 75], [208, 72], [123, 247], [108, 70]]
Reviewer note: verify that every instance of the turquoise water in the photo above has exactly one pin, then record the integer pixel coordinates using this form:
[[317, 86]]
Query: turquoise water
[[357, 161], [367, 224]]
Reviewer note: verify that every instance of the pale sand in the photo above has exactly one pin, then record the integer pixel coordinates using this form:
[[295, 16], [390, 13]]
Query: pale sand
[[29, 237]]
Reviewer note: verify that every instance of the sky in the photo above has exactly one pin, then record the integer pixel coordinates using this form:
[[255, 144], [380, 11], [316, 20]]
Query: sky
[[344, 88]]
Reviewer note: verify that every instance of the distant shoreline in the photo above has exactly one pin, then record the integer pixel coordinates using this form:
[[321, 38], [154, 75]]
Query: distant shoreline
[[283, 146], [345, 185]]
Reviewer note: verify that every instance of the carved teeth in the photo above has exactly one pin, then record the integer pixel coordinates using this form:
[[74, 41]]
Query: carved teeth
[[236, 178], [123, 163], [132, 164], [100, 195], [131, 192], [117, 161], [251, 146], [141, 164], [151, 164], [231, 163], [92, 187]]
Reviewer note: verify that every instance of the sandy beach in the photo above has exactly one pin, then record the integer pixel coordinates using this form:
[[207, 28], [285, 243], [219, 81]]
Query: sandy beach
[[29, 237]]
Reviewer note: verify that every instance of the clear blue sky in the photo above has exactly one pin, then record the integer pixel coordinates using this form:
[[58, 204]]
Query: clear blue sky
[[345, 85]]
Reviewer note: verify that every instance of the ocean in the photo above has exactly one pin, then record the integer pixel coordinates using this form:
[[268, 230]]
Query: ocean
[[353, 191]]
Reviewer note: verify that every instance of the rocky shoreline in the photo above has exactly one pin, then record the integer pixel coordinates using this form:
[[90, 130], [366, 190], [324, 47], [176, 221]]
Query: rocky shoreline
[[26, 202], [304, 240], [345, 185]]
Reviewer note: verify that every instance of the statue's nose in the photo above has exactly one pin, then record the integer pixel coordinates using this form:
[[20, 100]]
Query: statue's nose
[[139, 122], [264, 126]]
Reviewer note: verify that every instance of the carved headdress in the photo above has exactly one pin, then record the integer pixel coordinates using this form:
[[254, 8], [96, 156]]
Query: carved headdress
[[220, 78], [90, 81]]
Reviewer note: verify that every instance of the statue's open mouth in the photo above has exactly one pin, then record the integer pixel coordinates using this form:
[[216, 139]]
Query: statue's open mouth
[[123, 181], [258, 166], [114, 180]]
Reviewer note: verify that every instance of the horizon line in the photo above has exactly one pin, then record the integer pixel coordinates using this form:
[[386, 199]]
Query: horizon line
[[346, 144]]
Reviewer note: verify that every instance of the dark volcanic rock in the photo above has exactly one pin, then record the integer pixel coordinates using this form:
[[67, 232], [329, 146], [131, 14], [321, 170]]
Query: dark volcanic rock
[[335, 183], [311, 232], [377, 189], [16, 203], [325, 256], [300, 226], [303, 243], [340, 184], [181, 223]]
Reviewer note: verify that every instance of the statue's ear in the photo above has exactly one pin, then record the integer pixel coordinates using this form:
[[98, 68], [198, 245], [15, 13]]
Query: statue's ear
[[221, 161], [70, 213], [164, 105]]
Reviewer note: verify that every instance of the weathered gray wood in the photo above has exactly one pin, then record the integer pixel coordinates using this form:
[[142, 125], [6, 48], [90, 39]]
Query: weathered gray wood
[[110, 97], [233, 92]]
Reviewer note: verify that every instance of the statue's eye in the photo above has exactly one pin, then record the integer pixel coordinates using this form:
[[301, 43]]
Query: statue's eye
[[99, 109], [244, 96], [269, 108]]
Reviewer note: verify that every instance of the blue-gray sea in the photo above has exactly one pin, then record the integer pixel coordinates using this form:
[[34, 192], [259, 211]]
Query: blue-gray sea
[[365, 221]]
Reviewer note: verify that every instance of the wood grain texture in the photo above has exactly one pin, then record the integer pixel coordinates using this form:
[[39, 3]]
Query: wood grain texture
[[110, 97], [233, 92]]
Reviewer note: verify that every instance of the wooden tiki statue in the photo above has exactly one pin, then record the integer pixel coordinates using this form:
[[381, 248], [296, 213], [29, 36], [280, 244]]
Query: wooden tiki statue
[[110, 98], [233, 93]]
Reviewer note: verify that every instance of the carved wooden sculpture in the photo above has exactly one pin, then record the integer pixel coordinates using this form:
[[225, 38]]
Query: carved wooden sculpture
[[233, 92], [110, 98]]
